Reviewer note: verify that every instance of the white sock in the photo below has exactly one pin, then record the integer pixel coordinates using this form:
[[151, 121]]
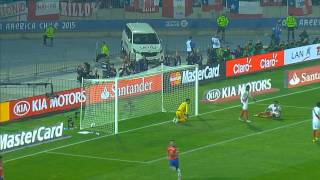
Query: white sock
[[179, 172]]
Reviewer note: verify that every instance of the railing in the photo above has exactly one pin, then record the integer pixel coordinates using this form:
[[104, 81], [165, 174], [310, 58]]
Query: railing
[[36, 71], [24, 90]]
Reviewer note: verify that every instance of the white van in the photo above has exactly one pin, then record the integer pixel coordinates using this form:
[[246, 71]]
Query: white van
[[139, 40]]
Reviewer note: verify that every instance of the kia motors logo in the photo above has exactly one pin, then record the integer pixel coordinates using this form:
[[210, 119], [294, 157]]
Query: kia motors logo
[[294, 80], [21, 108], [175, 78], [213, 95]]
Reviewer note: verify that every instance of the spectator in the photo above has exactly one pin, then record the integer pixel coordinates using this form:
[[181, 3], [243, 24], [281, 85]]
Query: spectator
[[84, 71], [166, 61], [198, 58], [190, 59], [190, 46], [104, 51], [143, 64], [291, 23], [220, 54], [215, 42], [227, 54], [210, 55], [258, 48], [304, 37], [49, 34], [315, 41], [177, 59], [80, 72], [95, 73], [87, 68], [238, 52], [109, 71], [276, 33], [112, 71], [125, 69]]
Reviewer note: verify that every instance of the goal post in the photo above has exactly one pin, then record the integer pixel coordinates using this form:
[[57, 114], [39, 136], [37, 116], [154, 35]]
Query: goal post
[[158, 90]]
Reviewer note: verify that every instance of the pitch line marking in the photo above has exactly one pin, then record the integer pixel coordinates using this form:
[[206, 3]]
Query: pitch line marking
[[289, 106], [231, 140], [151, 125], [95, 157]]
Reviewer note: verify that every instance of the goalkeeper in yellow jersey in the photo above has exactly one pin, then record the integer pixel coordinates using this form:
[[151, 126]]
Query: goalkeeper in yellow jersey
[[182, 112]]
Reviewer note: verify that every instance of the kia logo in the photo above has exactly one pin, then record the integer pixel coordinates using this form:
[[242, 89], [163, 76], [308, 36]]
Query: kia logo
[[21, 108], [213, 95]]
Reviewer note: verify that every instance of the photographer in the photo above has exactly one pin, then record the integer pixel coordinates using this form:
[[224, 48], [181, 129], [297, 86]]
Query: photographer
[[177, 59], [125, 69]]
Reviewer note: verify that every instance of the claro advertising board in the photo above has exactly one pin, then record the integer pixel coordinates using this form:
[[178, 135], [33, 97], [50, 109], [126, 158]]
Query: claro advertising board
[[251, 64]]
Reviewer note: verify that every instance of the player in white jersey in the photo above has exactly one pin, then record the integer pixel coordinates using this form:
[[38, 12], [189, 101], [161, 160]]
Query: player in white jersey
[[273, 111], [244, 99], [316, 122]]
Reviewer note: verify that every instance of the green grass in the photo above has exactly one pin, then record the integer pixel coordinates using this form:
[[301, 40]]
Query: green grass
[[214, 145]]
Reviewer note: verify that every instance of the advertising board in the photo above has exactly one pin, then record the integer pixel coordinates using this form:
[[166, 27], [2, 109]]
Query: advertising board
[[206, 73], [301, 54], [24, 138], [302, 77], [42, 104], [126, 88], [255, 63], [233, 92]]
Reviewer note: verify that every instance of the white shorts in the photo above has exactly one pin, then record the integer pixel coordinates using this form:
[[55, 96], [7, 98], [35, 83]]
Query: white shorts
[[275, 114], [244, 106], [315, 124]]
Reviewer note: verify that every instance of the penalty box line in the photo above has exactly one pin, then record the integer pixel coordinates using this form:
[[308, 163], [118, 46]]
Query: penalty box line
[[95, 157], [231, 140], [151, 125], [288, 106]]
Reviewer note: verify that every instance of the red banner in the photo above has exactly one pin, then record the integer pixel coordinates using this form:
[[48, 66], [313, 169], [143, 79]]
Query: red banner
[[299, 7], [255, 63], [216, 5], [37, 105], [272, 3], [144, 6], [176, 8], [43, 10], [302, 77], [130, 87]]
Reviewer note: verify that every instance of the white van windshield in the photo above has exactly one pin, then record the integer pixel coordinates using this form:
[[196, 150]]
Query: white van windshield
[[150, 38]]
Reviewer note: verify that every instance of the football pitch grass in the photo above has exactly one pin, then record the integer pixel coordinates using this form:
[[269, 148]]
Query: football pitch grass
[[213, 145]]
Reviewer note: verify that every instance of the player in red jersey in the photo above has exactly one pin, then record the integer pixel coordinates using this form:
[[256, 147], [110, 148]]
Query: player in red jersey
[[173, 158], [1, 169]]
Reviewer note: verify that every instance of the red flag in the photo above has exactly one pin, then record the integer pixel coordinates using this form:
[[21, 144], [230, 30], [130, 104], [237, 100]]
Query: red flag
[[299, 7]]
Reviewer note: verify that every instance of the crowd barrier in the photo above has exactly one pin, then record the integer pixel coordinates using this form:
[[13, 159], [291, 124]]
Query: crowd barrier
[[72, 98]]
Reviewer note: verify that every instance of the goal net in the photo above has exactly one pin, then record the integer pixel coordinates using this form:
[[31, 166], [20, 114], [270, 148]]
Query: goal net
[[160, 89]]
